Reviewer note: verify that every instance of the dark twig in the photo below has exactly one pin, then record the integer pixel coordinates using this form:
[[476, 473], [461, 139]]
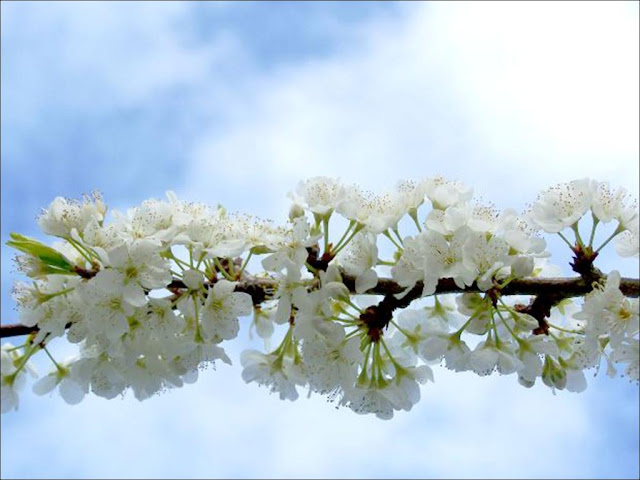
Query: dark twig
[[547, 292]]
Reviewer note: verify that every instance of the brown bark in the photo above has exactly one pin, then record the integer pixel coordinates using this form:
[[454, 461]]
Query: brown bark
[[547, 292]]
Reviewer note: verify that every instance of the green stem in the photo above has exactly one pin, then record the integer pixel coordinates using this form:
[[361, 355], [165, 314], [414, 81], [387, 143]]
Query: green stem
[[363, 375], [384, 262], [232, 270], [179, 262], [222, 270], [504, 322], [350, 335], [401, 330], [566, 330], [346, 242], [395, 230], [58, 367], [566, 240], [378, 361], [346, 312], [413, 213], [325, 228], [75, 245], [388, 235], [507, 281], [202, 257], [344, 235], [593, 229], [355, 307], [48, 296], [198, 336], [616, 232], [284, 345], [244, 265], [343, 320], [574, 227], [17, 348], [311, 268], [473, 315], [23, 361], [90, 251], [393, 360], [495, 328]]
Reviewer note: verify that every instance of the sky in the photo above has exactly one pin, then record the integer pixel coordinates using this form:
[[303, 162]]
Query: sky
[[234, 103]]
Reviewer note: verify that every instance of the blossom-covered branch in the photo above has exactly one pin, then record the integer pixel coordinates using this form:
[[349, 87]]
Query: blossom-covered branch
[[154, 294], [559, 288]]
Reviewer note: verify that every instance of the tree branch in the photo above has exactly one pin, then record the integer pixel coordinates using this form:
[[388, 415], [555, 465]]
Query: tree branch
[[547, 292]]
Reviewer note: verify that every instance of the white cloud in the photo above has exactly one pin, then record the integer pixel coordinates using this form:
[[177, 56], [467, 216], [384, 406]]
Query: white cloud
[[511, 95], [99, 57]]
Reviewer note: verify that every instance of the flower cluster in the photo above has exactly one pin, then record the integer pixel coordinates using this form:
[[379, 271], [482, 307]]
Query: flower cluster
[[151, 296]]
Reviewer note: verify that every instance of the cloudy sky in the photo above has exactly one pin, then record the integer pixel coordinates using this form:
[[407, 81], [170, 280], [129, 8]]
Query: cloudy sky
[[237, 102]]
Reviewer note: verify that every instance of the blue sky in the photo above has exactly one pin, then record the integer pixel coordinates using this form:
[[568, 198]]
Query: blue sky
[[236, 102]]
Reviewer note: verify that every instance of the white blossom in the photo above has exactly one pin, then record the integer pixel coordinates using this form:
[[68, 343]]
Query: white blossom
[[70, 391], [290, 251], [561, 205], [484, 257], [12, 380], [223, 306], [331, 361], [628, 352], [360, 259], [321, 195], [378, 213], [444, 193], [608, 312], [64, 215], [607, 205], [280, 373], [148, 297], [494, 354], [628, 242]]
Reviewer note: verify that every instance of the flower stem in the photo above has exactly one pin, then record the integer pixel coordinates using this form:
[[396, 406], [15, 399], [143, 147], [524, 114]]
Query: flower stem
[[80, 250], [346, 232], [222, 270], [566, 330], [346, 242], [325, 228], [413, 213], [593, 229], [565, 239], [244, 265], [611, 237], [58, 367], [388, 235], [576, 231]]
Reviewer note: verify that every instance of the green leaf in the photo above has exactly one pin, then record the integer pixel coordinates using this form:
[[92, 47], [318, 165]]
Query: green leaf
[[47, 255]]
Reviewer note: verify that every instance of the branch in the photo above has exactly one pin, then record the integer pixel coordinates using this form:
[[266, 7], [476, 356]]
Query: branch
[[547, 292]]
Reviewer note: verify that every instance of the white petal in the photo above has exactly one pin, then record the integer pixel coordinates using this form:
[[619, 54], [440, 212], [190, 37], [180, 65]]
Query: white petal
[[108, 280], [223, 288], [366, 281], [45, 384], [119, 256], [576, 382], [71, 392], [134, 295], [242, 304]]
